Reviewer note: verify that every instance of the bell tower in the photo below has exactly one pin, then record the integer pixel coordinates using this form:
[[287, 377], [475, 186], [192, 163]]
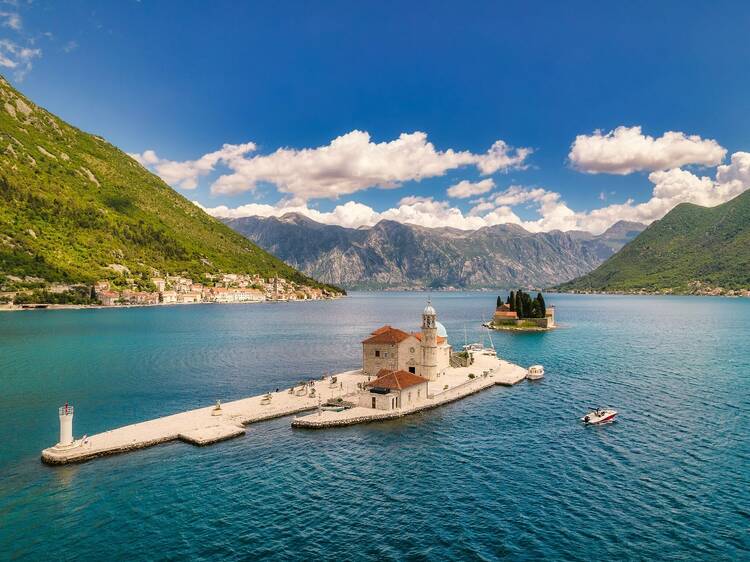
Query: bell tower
[[429, 343]]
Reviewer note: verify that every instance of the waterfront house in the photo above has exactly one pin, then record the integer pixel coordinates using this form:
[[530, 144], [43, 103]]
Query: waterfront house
[[189, 297], [235, 294], [108, 298], [392, 390], [169, 297]]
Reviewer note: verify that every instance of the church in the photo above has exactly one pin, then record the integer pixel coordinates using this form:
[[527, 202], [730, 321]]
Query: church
[[425, 353]]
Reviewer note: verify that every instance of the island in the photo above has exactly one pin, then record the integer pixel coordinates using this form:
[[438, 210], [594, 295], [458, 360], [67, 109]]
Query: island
[[520, 312], [403, 373]]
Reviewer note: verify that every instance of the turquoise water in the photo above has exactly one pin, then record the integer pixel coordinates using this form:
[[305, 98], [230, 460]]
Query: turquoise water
[[505, 473]]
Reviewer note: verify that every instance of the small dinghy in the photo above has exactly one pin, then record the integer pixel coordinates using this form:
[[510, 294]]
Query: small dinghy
[[599, 416]]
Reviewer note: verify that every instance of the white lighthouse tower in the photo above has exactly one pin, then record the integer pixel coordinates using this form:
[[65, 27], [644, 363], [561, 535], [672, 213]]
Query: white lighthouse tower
[[66, 427], [429, 343]]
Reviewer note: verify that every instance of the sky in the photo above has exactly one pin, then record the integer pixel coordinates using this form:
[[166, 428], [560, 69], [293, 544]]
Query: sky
[[551, 115]]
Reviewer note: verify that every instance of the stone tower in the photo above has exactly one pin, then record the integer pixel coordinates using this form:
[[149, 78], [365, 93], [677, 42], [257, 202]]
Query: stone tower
[[429, 343]]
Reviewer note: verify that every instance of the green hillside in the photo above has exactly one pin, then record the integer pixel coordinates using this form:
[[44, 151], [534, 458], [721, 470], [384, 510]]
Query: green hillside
[[692, 249], [74, 208]]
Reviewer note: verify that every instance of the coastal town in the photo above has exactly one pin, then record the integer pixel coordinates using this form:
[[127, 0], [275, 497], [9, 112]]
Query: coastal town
[[402, 373], [164, 290]]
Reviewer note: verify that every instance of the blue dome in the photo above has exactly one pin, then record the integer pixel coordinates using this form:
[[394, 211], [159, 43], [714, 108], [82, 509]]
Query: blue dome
[[441, 331]]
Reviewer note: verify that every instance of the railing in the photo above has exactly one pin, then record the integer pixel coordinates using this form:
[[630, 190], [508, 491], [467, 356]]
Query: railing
[[65, 411]]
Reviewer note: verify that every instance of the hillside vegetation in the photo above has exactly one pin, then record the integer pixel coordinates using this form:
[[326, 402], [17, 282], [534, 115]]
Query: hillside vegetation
[[74, 209], [692, 249]]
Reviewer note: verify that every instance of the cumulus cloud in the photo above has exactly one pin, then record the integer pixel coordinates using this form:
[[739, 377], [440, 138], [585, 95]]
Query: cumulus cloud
[[349, 163], [627, 149], [185, 175], [465, 188], [17, 57], [670, 187], [422, 211]]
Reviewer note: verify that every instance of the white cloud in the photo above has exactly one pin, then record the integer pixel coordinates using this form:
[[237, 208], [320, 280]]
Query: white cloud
[[353, 162], [17, 58], [185, 174], [671, 187], [70, 46], [11, 20], [465, 188], [501, 157], [423, 211], [627, 149]]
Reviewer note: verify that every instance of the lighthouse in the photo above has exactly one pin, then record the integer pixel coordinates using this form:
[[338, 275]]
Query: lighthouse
[[429, 343], [66, 426]]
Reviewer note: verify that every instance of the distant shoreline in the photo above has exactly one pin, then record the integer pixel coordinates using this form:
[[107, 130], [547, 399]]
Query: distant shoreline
[[642, 293], [43, 306]]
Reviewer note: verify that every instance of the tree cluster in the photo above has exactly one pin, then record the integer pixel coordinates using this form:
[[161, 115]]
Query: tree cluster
[[524, 306]]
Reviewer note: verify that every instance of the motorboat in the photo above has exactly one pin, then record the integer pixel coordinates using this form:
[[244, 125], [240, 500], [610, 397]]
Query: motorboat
[[599, 416], [535, 372]]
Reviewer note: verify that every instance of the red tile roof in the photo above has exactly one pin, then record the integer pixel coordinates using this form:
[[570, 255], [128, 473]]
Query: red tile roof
[[387, 335], [396, 380], [418, 335]]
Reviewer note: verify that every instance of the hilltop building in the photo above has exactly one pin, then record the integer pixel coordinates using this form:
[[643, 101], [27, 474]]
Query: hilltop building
[[426, 353]]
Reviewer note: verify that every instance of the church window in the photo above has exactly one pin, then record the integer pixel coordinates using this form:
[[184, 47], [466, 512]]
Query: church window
[[411, 350], [377, 353]]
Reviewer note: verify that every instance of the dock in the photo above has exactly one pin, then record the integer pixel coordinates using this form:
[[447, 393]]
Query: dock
[[207, 425]]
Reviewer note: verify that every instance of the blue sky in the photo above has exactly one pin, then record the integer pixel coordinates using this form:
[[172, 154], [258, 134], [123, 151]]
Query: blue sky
[[183, 79]]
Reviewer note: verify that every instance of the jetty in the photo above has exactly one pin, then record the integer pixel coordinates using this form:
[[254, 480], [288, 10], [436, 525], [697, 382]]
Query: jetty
[[207, 425]]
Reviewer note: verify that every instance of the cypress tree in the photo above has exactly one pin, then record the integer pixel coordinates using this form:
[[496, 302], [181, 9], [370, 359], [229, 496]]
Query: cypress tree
[[535, 308], [526, 299], [542, 305], [512, 300], [499, 301], [519, 305]]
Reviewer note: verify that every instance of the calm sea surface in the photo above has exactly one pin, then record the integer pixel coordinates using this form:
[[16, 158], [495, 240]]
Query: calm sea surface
[[509, 472]]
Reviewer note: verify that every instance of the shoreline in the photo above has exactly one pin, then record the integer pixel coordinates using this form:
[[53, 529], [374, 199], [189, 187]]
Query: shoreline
[[733, 294], [43, 306]]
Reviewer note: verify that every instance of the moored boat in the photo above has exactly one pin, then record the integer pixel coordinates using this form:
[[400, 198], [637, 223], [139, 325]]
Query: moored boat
[[535, 372]]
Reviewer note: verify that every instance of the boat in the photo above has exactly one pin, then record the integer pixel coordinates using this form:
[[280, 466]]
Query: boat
[[599, 416], [535, 372]]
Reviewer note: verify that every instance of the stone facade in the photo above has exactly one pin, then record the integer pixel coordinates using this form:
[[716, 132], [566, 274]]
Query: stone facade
[[426, 353], [393, 390]]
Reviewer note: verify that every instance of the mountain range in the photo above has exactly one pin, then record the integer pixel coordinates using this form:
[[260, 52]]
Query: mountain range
[[75, 209], [397, 255], [692, 249]]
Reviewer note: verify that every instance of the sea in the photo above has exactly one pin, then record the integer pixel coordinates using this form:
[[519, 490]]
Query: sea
[[509, 473]]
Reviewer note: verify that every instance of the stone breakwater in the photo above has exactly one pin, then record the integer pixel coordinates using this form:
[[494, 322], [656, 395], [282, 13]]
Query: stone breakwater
[[207, 425], [204, 426]]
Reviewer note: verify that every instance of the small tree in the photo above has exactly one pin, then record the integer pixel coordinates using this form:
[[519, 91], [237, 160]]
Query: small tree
[[499, 301], [512, 300]]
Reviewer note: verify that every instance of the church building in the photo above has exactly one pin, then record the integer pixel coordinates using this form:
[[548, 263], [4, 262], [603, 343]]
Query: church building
[[425, 353]]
